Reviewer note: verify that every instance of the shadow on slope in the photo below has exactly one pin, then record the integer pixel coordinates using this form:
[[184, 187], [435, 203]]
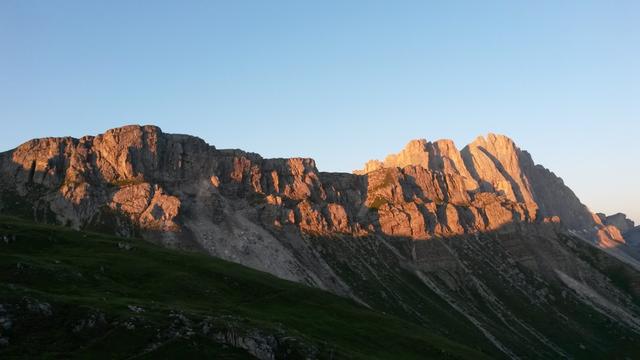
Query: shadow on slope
[[510, 284], [72, 294]]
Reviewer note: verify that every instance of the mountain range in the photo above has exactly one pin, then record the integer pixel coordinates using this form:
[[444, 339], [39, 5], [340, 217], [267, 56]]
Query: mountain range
[[480, 245]]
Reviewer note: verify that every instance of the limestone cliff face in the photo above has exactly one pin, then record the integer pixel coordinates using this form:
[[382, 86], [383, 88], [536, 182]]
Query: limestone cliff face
[[121, 170], [488, 184], [427, 190]]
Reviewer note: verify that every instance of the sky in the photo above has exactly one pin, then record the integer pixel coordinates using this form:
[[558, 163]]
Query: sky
[[339, 81]]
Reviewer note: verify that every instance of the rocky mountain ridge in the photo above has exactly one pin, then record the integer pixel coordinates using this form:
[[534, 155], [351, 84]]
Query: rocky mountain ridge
[[427, 190], [482, 232]]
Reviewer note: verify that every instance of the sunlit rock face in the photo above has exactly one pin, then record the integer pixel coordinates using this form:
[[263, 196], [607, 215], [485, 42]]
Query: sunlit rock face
[[490, 183], [182, 192], [121, 170], [428, 189]]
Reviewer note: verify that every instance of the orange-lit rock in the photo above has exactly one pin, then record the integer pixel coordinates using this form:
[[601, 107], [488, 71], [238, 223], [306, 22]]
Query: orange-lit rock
[[428, 189]]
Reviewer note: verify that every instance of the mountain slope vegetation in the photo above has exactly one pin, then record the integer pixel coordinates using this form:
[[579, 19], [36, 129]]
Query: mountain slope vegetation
[[72, 294]]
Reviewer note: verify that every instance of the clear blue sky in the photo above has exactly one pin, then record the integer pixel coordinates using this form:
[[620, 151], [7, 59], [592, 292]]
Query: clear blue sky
[[340, 81]]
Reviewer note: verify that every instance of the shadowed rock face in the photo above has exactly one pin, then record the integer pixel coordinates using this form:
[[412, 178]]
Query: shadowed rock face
[[632, 237], [486, 215], [618, 220]]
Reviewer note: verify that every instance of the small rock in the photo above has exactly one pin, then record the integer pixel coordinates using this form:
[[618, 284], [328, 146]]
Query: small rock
[[39, 307], [90, 322], [124, 246], [5, 323], [135, 309]]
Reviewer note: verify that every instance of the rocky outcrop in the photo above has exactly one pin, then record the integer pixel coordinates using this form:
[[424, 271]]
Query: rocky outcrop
[[429, 189], [618, 220], [147, 206], [495, 163], [121, 170], [441, 155], [490, 182]]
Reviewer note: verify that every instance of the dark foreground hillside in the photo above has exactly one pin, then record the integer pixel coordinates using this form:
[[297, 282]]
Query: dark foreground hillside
[[70, 294]]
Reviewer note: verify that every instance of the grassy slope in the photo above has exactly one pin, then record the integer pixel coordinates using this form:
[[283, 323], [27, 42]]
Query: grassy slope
[[69, 294]]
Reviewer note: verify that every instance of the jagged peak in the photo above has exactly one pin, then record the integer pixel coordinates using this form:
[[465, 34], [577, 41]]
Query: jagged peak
[[492, 138], [422, 144], [134, 127], [494, 144], [416, 143], [491, 169], [419, 152]]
